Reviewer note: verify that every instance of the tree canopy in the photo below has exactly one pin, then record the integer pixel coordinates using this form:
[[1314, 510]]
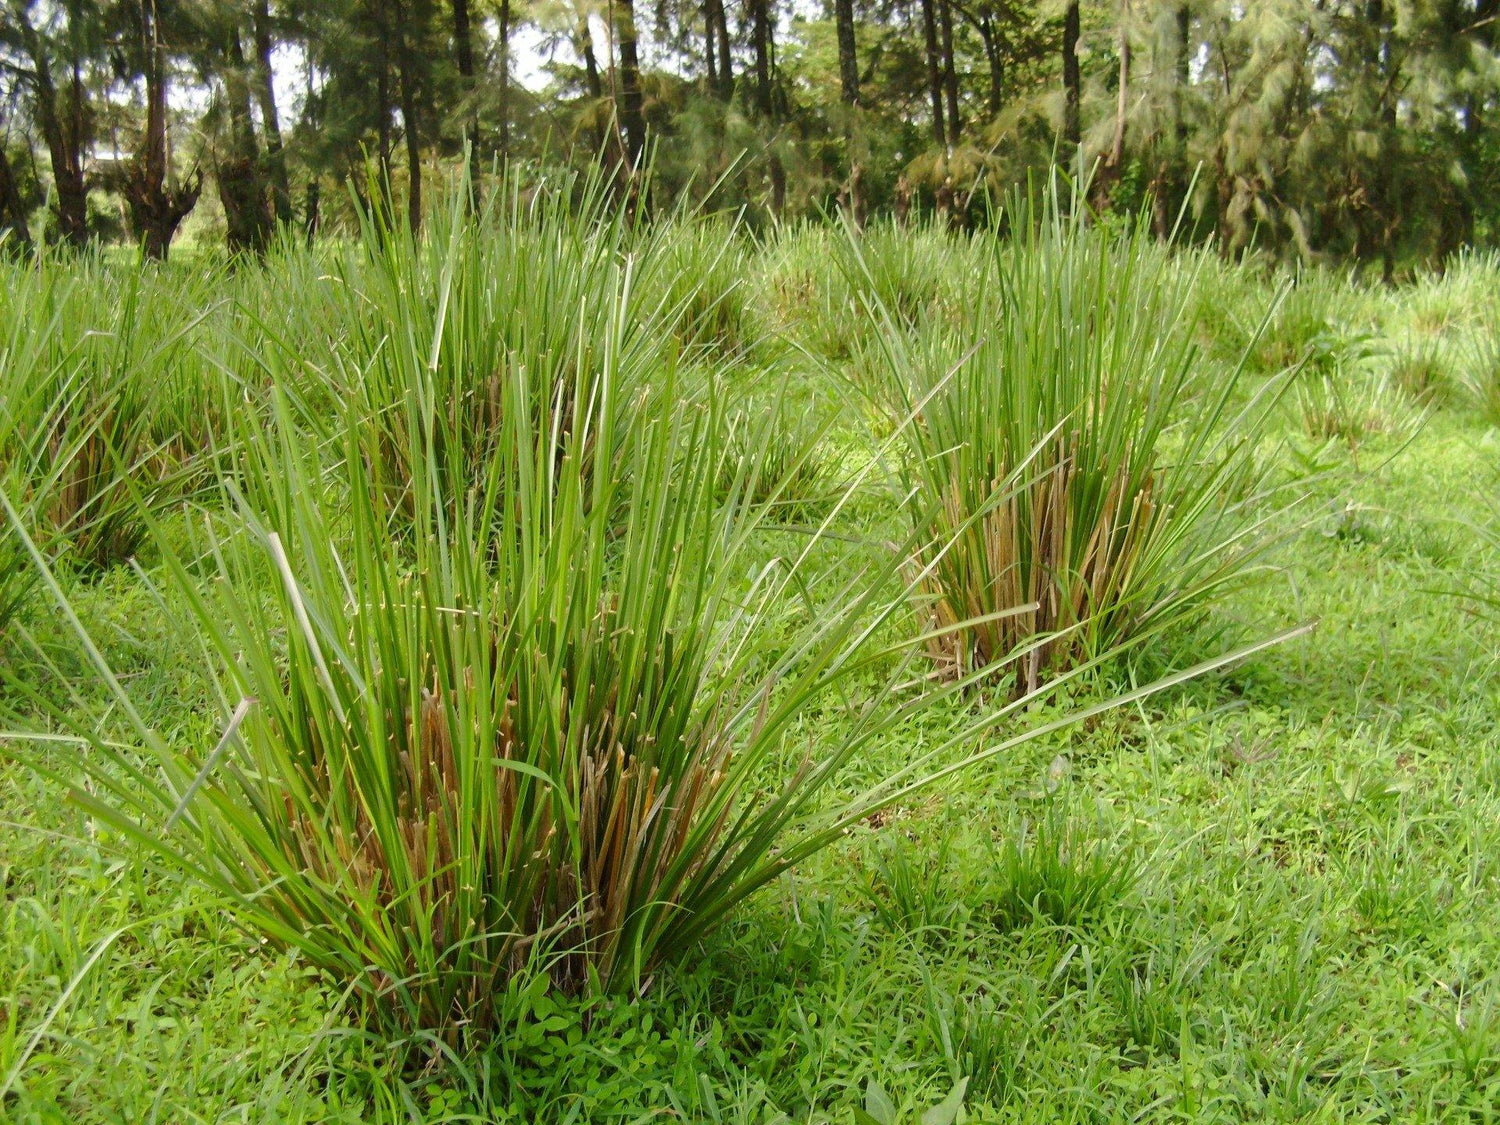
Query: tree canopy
[[1340, 130]]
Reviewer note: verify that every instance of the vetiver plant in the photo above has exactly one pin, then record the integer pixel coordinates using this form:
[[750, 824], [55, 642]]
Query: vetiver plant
[[1061, 458], [1351, 403], [1480, 375], [1420, 367], [551, 724], [528, 292], [693, 269], [87, 359]]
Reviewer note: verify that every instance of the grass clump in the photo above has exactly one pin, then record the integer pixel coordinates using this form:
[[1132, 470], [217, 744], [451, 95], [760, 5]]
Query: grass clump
[[1420, 369], [1480, 375], [430, 336], [1351, 407], [1055, 871], [1070, 490], [89, 361], [774, 461], [1313, 323]]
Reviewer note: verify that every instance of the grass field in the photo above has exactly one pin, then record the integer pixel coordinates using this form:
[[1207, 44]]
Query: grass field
[[1267, 894]]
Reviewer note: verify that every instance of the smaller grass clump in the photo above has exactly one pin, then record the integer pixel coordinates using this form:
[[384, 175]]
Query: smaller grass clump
[[821, 281], [1058, 872], [1479, 375], [88, 410], [1071, 488], [694, 269], [439, 329], [1314, 322], [1352, 406], [774, 461], [1420, 369]]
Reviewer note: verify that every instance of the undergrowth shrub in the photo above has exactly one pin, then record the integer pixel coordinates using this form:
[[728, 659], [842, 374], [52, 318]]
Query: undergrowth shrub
[[1070, 488]]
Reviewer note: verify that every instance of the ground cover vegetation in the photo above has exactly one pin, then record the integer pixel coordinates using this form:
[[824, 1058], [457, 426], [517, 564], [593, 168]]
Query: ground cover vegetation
[[572, 666]]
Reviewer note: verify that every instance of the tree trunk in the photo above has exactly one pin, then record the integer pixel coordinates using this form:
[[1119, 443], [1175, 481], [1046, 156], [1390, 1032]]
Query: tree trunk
[[934, 73], [1072, 83], [463, 52], [312, 211], [503, 80], [995, 98], [383, 100], [760, 35], [1169, 182], [710, 49], [265, 88], [950, 71], [719, 21], [157, 208], [241, 191], [1109, 174], [632, 107], [590, 63], [410, 122], [63, 130], [843, 11]]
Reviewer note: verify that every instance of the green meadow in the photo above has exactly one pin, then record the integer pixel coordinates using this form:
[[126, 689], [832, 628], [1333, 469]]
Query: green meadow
[[569, 669]]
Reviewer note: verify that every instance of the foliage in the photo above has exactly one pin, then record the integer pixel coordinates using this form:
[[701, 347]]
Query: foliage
[[1480, 376], [1071, 491], [505, 690], [1266, 895]]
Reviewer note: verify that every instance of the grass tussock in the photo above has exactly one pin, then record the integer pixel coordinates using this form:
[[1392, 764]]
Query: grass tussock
[[1480, 378], [1071, 487]]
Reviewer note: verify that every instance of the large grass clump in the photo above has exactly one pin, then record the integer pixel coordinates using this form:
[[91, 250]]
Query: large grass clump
[[1075, 481]]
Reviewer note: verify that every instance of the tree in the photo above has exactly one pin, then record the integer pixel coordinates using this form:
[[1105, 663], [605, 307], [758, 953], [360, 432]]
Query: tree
[[55, 60], [1072, 76], [265, 89], [848, 60], [1351, 130], [934, 72], [15, 231], [157, 199], [632, 117]]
